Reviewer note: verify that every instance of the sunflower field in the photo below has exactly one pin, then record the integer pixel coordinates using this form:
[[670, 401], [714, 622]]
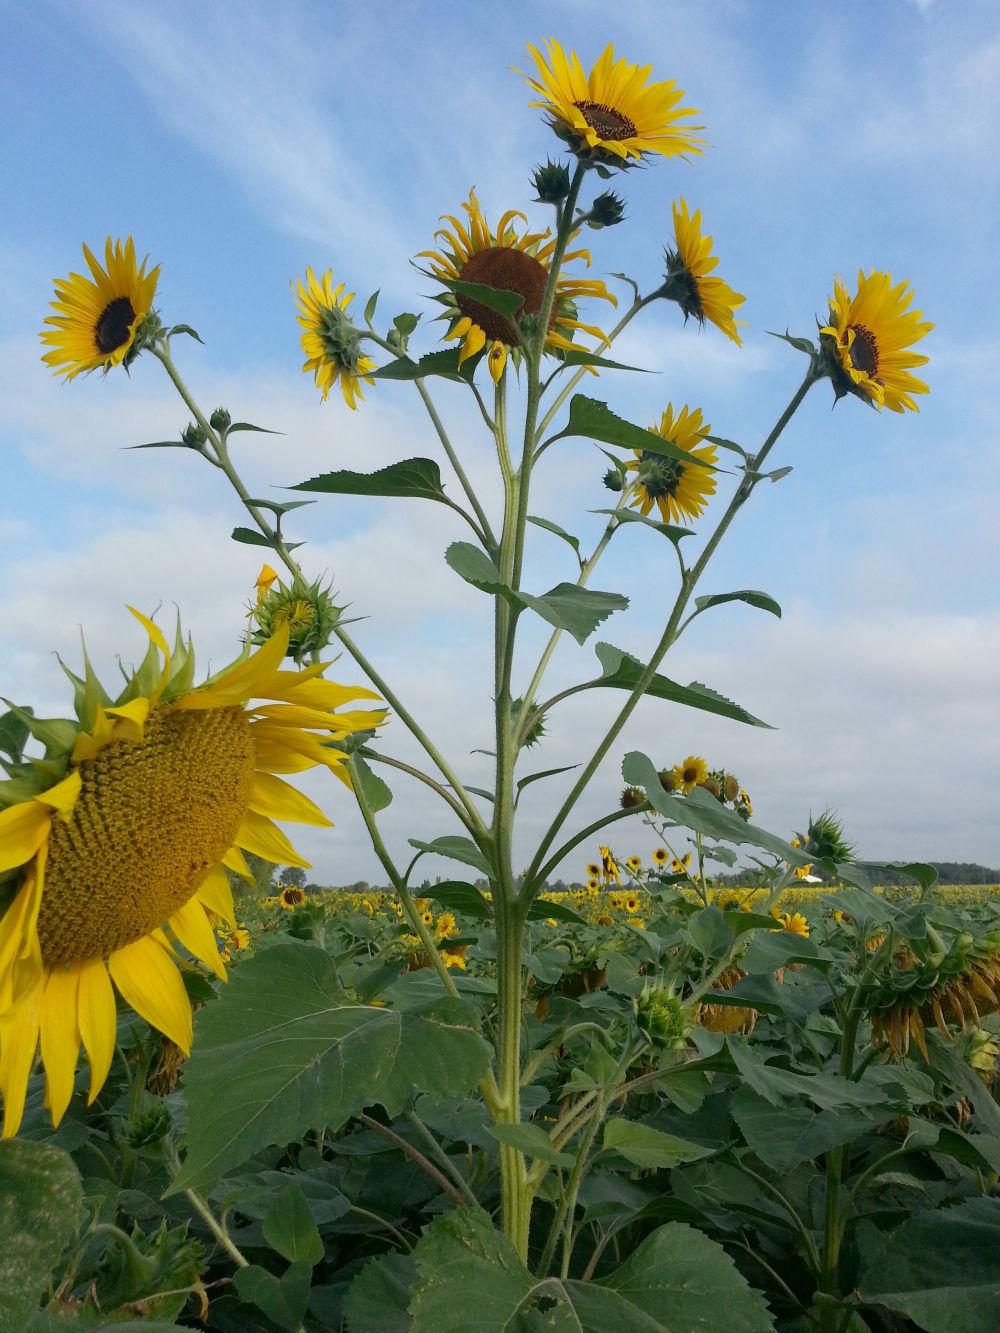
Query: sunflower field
[[655, 1101]]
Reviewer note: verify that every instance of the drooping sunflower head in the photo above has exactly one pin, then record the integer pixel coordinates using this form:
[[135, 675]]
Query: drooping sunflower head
[[689, 282], [509, 259], [679, 490], [609, 870], [727, 1017], [118, 839], [329, 338], [690, 774], [307, 610], [612, 116], [97, 319], [868, 339]]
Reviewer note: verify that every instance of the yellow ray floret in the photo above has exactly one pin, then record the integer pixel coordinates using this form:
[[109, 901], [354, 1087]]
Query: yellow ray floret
[[689, 281], [120, 865], [680, 492], [871, 334], [329, 339]]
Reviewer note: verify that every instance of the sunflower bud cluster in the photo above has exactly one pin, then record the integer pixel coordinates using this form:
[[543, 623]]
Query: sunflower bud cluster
[[661, 1015], [307, 609], [148, 1125], [824, 840]]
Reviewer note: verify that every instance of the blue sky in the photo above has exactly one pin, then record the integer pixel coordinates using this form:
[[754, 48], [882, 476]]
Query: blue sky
[[241, 142]]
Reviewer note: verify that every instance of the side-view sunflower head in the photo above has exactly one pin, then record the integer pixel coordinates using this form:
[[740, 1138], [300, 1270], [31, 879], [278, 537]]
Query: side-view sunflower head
[[679, 490], [116, 844], [99, 319], [510, 259], [609, 868], [613, 116], [688, 279], [329, 338], [867, 342]]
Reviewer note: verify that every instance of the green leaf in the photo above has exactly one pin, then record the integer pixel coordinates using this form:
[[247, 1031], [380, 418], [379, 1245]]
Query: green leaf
[[579, 356], [283, 1050], [185, 328], [731, 445], [549, 526], [283, 1299], [371, 306], [596, 421], [784, 1137], [251, 537], [378, 1298], [668, 530], [375, 791], [828, 1091], [774, 949], [415, 478], [456, 848], [622, 671], [647, 1147], [164, 444], [41, 1209], [405, 324], [545, 773], [672, 1283], [444, 363], [457, 896], [543, 908], [759, 599], [475, 566], [501, 300], [703, 813], [14, 733], [941, 1269], [290, 1229], [284, 507], [533, 1140], [248, 425], [800, 344]]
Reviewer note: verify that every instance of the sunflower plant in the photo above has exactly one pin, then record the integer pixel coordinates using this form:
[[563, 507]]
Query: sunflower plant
[[456, 1015]]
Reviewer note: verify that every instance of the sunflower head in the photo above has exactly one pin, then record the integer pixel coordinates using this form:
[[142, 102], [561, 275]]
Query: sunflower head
[[507, 259], [678, 490], [661, 1015], [632, 798], [690, 774], [866, 344], [119, 836], [307, 610], [727, 1018], [329, 337], [291, 896], [689, 279], [101, 321], [613, 116], [660, 857], [609, 870], [634, 864]]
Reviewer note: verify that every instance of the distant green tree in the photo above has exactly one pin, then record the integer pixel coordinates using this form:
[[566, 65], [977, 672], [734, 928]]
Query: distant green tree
[[292, 875]]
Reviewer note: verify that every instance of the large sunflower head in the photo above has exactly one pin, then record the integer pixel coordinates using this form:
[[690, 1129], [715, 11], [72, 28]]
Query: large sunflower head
[[329, 338], [613, 114], [511, 259], [97, 319], [868, 338], [678, 490], [115, 844], [687, 282]]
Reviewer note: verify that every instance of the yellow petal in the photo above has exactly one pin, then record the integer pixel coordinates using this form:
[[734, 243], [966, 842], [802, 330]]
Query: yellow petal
[[98, 1018], [60, 1038], [235, 860], [214, 892], [244, 681], [151, 984], [279, 800], [190, 924], [18, 1043], [23, 829], [133, 716], [258, 835]]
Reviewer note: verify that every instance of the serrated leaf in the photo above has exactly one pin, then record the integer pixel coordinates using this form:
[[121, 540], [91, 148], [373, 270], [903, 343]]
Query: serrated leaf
[[284, 507], [800, 344], [650, 1148], [250, 537], [41, 1209], [458, 896], [784, 1137], [761, 600], [549, 526], [405, 324], [283, 1050], [415, 478], [456, 848], [731, 445], [444, 363], [290, 1229], [622, 671], [579, 356], [830, 1092], [185, 328], [595, 421], [375, 791]]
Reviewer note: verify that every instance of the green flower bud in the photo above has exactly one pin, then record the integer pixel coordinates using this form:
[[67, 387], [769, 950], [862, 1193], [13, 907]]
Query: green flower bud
[[551, 182], [631, 798], [220, 419], [147, 1126], [661, 1015], [536, 724], [607, 210], [193, 436], [613, 480], [308, 610]]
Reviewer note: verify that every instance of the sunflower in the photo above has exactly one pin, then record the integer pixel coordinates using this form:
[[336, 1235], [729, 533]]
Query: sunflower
[[593, 885], [593, 870], [511, 262], [117, 843], [794, 922], [614, 113], [726, 1017], [631, 905], [678, 490], [867, 340], [634, 864], [291, 896], [679, 867], [688, 283], [96, 322], [801, 872], [608, 868], [329, 339], [455, 957], [445, 925], [689, 775], [660, 857]]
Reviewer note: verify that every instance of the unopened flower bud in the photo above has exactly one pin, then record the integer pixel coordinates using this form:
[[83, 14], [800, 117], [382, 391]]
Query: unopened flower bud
[[193, 436], [220, 419], [613, 480], [551, 182], [607, 210], [661, 1015], [668, 779], [147, 1126], [631, 798]]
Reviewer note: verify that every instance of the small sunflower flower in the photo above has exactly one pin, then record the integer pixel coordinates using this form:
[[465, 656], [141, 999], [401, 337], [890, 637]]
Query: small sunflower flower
[[794, 922], [867, 342], [801, 872], [98, 319], [290, 897], [689, 265], [634, 864], [609, 869], [510, 259], [445, 925], [660, 857], [612, 116], [593, 870], [678, 490], [692, 773], [330, 340], [306, 610], [593, 885]]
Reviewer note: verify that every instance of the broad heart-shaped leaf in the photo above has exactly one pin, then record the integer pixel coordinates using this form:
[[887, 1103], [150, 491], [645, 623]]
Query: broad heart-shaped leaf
[[379, 1295], [458, 896], [472, 1281], [596, 421], [289, 1227], [282, 1050], [41, 1208], [622, 671], [444, 363], [283, 1300], [416, 478], [375, 791], [828, 1091], [784, 1137], [456, 848], [752, 598], [941, 1269], [703, 813], [566, 606], [648, 1147]]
